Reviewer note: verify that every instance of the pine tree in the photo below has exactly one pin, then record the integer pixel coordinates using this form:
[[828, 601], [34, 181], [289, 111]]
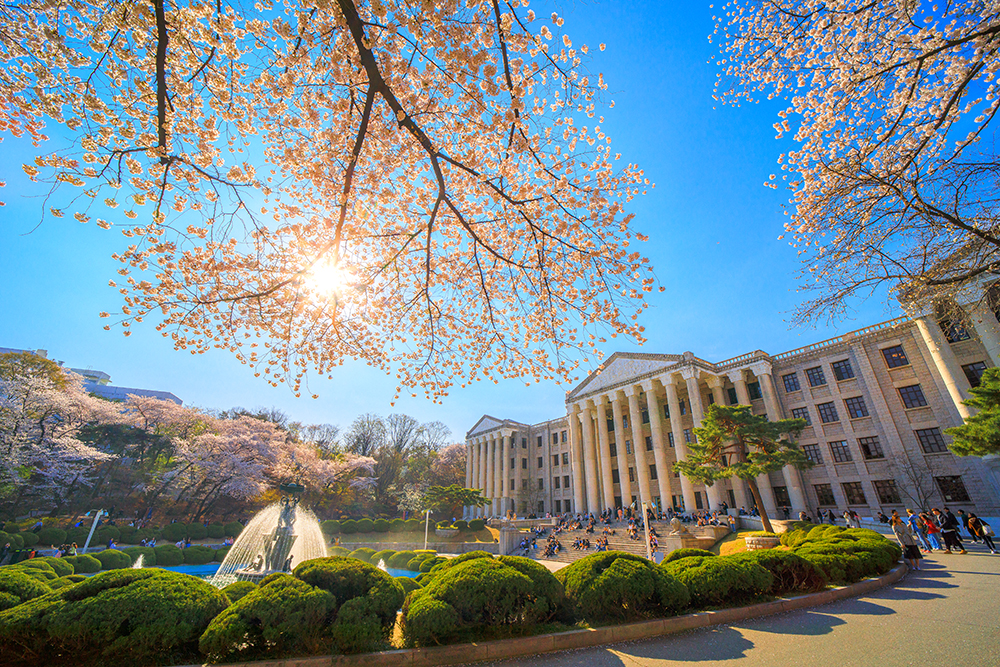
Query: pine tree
[[980, 434]]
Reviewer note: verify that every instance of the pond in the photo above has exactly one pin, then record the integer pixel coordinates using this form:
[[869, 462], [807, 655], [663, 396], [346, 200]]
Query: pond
[[209, 569]]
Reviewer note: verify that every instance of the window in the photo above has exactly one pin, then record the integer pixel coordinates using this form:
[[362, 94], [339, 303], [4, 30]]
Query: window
[[974, 372], [565, 481], [791, 382], [887, 492], [733, 398], [541, 483], [952, 489], [524, 443], [894, 356], [954, 330], [562, 436], [781, 498], [827, 413], [628, 446], [813, 453], [555, 438], [666, 411], [697, 500], [842, 369], [611, 426], [524, 464], [512, 463], [541, 462], [802, 413], [524, 484], [652, 471], [670, 438], [615, 479], [856, 407], [913, 396], [931, 440], [854, 493], [555, 460], [683, 407], [539, 441], [555, 482], [631, 474], [840, 451], [871, 448], [709, 399], [649, 443], [541, 506], [614, 449], [624, 421], [645, 416], [512, 485], [754, 390], [815, 376], [558, 506], [824, 494], [687, 435], [565, 458]]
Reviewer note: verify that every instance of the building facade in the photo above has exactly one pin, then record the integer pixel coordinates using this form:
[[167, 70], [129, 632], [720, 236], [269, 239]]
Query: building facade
[[876, 400]]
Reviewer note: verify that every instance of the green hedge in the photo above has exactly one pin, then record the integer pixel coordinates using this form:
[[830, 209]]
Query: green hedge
[[219, 554], [17, 587], [330, 527], [113, 559], [168, 555], [615, 585], [477, 524], [216, 531], [84, 564], [414, 524], [197, 531], [408, 583], [383, 555], [174, 532], [41, 572], [349, 526], [397, 525], [29, 539], [365, 526], [58, 565], [148, 555], [462, 524], [363, 554], [68, 580], [340, 551], [198, 555], [165, 611], [233, 529], [677, 554], [52, 536], [382, 526], [400, 559], [716, 580], [238, 589], [791, 573], [14, 539]]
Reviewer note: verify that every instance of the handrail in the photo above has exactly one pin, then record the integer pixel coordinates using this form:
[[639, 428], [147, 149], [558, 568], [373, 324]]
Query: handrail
[[840, 339]]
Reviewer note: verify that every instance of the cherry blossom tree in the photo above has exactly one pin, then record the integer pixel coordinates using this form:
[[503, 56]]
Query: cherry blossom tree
[[425, 187], [891, 102]]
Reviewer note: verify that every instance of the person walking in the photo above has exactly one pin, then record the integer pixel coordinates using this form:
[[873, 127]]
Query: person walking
[[933, 531], [915, 527], [963, 522], [908, 541], [982, 530], [949, 531]]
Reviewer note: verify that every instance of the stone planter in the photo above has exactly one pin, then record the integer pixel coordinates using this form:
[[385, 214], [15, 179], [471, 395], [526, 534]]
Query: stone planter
[[446, 532], [758, 542]]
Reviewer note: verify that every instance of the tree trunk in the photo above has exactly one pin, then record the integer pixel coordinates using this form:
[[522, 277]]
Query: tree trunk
[[755, 492]]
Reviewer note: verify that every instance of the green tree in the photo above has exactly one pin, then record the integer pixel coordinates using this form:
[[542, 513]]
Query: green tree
[[980, 434], [453, 498], [734, 442]]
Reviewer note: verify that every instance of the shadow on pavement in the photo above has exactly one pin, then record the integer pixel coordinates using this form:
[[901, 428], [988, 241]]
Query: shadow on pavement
[[718, 643], [807, 622]]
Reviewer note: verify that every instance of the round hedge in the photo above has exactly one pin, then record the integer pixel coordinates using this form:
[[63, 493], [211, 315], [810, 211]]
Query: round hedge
[[365, 526], [341, 551], [134, 615], [14, 539], [400, 559], [720, 579], [54, 536], [414, 524], [126, 534], [349, 526], [462, 524], [29, 539], [84, 564], [791, 573], [238, 589], [363, 554], [330, 527], [41, 572], [106, 532], [677, 554], [113, 559], [477, 524], [408, 584], [68, 580], [17, 587], [615, 585], [430, 563], [174, 532], [219, 554], [198, 555], [216, 531], [168, 555], [381, 526], [58, 565], [197, 531], [383, 555], [233, 529], [397, 525]]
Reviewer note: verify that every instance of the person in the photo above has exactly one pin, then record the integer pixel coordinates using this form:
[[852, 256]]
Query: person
[[4, 553], [112, 544], [982, 530], [949, 530], [933, 530], [831, 517], [915, 527], [911, 549], [732, 523], [786, 511], [963, 522]]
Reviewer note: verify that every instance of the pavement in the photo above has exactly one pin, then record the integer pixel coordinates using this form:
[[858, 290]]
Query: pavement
[[947, 613]]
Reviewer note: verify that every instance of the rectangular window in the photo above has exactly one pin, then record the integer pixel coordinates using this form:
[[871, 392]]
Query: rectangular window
[[512, 485], [856, 407], [614, 449], [615, 479], [887, 492], [697, 500], [842, 369], [813, 453], [649, 443], [709, 399], [754, 390], [541, 506], [913, 396], [524, 484], [512, 463], [840, 451], [827, 412], [524, 443], [670, 438], [611, 426], [631, 474], [974, 372], [628, 446], [624, 421], [931, 440], [645, 416], [565, 481], [815, 376], [555, 438], [894, 356], [555, 482], [652, 471], [791, 382], [558, 506], [539, 441], [555, 460], [824, 494], [954, 330], [541, 483], [565, 458], [683, 406], [802, 413], [854, 493], [733, 398], [687, 435], [562, 436], [953, 489], [781, 498], [871, 448], [666, 411], [541, 462], [524, 464]]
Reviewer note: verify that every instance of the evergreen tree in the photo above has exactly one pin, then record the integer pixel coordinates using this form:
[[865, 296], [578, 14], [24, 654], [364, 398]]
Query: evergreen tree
[[980, 434]]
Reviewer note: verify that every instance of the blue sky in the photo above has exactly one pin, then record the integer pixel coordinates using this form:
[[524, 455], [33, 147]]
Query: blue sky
[[713, 228]]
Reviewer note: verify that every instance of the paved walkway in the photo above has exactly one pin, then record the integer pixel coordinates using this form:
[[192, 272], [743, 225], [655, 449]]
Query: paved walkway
[[946, 614]]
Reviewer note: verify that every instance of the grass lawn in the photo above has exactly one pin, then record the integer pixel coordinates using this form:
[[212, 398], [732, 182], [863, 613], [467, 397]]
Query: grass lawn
[[731, 544]]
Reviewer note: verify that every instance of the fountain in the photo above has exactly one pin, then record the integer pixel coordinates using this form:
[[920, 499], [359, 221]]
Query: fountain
[[276, 539], [381, 565], [137, 565]]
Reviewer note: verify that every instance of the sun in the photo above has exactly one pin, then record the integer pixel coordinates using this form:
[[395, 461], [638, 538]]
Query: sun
[[329, 279]]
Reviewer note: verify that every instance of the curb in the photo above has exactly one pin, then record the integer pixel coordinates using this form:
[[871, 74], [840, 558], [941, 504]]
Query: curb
[[459, 654]]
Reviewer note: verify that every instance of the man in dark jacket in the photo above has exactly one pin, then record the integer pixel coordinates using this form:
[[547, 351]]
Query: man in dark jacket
[[949, 530]]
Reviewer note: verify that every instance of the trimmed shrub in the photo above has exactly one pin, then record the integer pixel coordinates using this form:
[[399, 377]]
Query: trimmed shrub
[[341, 551], [78, 535], [330, 527], [41, 572], [397, 526], [381, 526], [174, 532], [477, 524], [428, 620], [400, 559], [365, 526], [105, 533], [16, 587], [58, 565], [677, 554], [68, 580], [720, 579], [383, 555], [113, 559], [28, 539], [792, 573], [462, 524], [408, 583], [219, 554], [216, 531], [198, 555], [15, 539], [54, 536], [126, 534], [166, 612], [167, 555], [615, 585], [238, 589], [349, 526], [197, 531], [233, 529], [444, 523], [84, 564], [414, 524], [363, 554], [413, 565], [429, 564]]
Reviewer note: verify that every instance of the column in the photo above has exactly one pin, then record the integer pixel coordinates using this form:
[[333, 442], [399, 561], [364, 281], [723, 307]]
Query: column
[[576, 449], [638, 445], [491, 454], [589, 458], [623, 480], [690, 375], [793, 480], [503, 486], [763, 481], [715, 383], [607, 484], [944, 359], [468, 475], [663, 472], [674, 404], [987, 328], [481, 473]]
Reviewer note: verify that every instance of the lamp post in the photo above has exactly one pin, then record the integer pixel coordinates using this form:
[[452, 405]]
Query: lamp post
[[427, 523], [93, 526]]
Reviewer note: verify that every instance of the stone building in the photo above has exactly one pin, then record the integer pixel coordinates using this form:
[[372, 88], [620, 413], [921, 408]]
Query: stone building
[[877, 402]]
